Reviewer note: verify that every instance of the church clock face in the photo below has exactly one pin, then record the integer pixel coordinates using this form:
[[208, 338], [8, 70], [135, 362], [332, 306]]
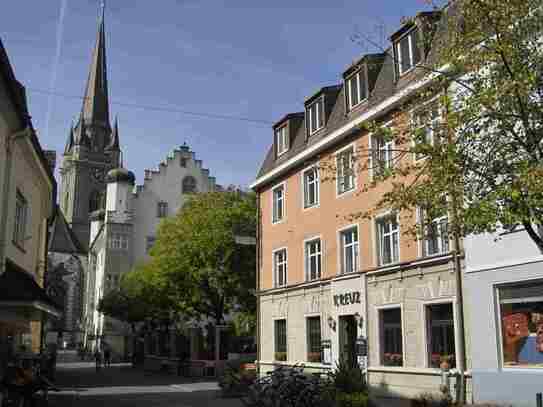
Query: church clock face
[[97, 174]]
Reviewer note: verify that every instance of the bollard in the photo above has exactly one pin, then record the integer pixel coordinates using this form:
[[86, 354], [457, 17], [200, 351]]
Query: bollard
[[539, 399]]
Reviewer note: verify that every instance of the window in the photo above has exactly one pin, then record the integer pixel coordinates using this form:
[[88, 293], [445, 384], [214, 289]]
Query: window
[[278, 195], [436, 237], [118, 241], [345, 170], [189, 185], [521, 315], [21, 215], [440, 331], [311, 187], [162, 209], [315, 116], [95, 201], [183, 162], [349, 250], [391, 337], [388, 233], [426, 123], [280, 331], [281, 140], [313, 259], [149, 242], [314, 339], [381, 154], [356, 89], [407, 52], [280, 267]]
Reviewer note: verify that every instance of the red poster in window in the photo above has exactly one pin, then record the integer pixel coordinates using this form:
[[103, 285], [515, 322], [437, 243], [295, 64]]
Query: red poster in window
[[515, 328]]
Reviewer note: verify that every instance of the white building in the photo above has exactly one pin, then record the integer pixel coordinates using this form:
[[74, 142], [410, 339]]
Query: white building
[[504, 298]]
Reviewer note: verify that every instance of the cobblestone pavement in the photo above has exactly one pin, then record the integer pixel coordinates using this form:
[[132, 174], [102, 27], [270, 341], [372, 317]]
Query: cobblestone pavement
[[123, 386]]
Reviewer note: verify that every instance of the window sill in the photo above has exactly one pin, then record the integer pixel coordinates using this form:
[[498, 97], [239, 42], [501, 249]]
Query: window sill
[[410, 370], [278, 222], [348, 192], [356, 107], [314, 206], [18, 246], [320, 129]]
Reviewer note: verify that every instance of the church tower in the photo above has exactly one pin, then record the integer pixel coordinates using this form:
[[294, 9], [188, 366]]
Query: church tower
[[92, 148]]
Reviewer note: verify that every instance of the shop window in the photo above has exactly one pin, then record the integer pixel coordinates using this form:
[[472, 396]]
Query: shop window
[[521, 314], [314, 339], [280, 267], [313, 259], [441, 335], [280, 332], [349, 250], [391, 337]]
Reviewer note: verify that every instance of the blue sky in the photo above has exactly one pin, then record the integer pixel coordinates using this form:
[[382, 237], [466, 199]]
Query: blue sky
[[241, 58]]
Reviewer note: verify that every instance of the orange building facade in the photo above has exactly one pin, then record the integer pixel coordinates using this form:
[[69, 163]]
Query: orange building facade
[[332, 284]]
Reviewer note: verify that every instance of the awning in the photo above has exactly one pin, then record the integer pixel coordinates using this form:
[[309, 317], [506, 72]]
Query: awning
[[21, 298]]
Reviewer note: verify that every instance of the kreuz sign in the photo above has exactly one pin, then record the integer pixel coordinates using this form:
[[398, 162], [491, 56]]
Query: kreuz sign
[[347, 298]]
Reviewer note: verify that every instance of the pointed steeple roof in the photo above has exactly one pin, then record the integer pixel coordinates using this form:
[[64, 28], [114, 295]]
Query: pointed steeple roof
[[95, 104], [70, 141], [63, 239], [114, 140]]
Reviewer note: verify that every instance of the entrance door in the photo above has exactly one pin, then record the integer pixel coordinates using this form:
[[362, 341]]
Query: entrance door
[[347, 339]]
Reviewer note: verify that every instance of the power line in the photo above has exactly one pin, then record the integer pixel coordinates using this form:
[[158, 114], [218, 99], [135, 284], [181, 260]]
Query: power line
[[161, 109]]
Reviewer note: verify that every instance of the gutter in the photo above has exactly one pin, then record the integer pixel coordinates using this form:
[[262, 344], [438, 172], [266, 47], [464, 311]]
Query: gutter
[[258, 251], [336, 135]]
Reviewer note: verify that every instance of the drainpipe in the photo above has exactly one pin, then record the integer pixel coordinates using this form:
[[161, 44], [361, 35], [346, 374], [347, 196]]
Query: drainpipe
[[457, 267], [258, 250], [5, 193]]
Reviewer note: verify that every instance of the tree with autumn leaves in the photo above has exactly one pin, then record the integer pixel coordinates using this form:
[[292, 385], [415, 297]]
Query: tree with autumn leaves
[[482, 159]]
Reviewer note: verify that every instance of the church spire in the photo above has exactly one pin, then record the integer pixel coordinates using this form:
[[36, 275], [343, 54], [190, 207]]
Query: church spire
[[95, 104], [114, 140]]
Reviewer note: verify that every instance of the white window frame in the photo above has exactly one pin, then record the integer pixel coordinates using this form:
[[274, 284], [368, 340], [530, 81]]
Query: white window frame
[[317, 115], [423, 241], [342, 249], [281, 134], [118, 241], [424, 312], [379, 331], [276, 265], [355, 76], [379, 245], [388, 146], [307, 258], [412, 65], [283, 186], [499, 327], [339, 168], [433, 123], [305, 187]]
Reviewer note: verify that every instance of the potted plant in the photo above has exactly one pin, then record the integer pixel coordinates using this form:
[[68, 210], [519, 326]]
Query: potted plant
[[281, 356], [445, 362], [314, 357]]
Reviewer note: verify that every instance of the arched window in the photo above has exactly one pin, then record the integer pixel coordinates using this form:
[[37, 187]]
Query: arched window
[[189, 185]]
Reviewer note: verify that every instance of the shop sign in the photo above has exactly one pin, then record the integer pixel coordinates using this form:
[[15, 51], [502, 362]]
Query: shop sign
[[326, 346], [347, 298]]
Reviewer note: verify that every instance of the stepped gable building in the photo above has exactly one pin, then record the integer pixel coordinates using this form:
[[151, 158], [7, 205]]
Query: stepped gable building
[[334, 288], [123, 233]]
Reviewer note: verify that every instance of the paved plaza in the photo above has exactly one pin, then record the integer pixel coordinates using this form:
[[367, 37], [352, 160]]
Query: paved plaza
[[121, 385]]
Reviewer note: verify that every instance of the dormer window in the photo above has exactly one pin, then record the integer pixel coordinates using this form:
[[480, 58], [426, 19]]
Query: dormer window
[[356, 89], [281, 140], [407, 51], [315, 116]]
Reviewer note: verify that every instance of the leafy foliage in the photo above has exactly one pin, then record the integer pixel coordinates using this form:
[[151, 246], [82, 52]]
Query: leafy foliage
[[484, 160], [196, 268], [348, 379]]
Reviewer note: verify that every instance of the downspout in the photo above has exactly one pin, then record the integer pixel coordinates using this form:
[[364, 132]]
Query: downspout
[[457, 267], [258, 250], [5, 193]]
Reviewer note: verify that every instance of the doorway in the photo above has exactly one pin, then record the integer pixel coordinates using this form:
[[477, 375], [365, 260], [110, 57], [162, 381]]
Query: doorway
[[347, 339]]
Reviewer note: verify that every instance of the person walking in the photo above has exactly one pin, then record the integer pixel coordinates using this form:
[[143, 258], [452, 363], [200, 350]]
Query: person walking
[[107, 357], [98, 359]]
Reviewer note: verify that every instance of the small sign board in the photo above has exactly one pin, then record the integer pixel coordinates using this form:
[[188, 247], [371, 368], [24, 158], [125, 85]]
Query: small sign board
[[361, 346], [326, 346]]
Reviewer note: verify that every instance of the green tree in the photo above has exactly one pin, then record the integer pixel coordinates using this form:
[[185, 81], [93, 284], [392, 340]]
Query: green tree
[[196, 262], [484, 164]]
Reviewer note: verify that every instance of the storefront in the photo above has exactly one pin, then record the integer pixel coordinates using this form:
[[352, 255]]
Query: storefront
[[504, 293], [412, 329]]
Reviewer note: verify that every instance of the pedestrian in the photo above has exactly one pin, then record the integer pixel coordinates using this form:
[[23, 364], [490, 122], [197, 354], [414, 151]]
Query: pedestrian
[[107, 357], [98, 358]]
